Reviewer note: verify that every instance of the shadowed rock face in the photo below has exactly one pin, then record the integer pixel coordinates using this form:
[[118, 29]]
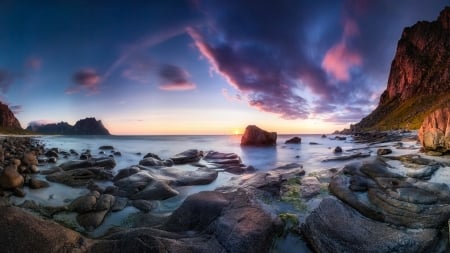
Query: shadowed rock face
[[255, 136], [419, 78], [7, 118], [434, 134]]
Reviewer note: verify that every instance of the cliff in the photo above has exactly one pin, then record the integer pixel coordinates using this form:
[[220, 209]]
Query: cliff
[[7, 118], [419, 79], [87, 126]]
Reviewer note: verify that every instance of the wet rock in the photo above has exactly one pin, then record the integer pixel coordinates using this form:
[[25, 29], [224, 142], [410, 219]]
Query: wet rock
[[33, 234], [51, 153], [188, 156], [144, 205], [201, 176], [229, 162], [19, 192], [323, 136], [133, 184], [119, 204], [94, 187], [309, 187], [10, 178], [313, 143], [393, 199], [434, 153], [107, 163], [30, 159], [37, 184], [255, 136], [424, 173], [84, 203], [104, 202], [117, 153], [155, 190], [384, 151], [80, 177], [328, 229], [52, 160], [123, 173], [106, 147], [150, 161], [337, 149], [294, 140], [91, 220], [152, 156]]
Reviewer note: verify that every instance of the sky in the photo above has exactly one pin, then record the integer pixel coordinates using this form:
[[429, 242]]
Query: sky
[[201, 66]]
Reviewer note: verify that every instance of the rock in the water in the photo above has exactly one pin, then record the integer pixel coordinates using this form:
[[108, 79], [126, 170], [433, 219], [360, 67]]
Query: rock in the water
[[434, 134], [294, 140], [10, 178], [106, 147], [255, 136], [91, 220], [144, 205], [229, 162], [150, 161], [309, 187], [156, 190], [337, 149], [107, 163], [84, 203], [119, 204], [188, 156], [335, 227], [384, 151], [152, 156], [123, 173], [201, 176], [80, 177], [37, 184]]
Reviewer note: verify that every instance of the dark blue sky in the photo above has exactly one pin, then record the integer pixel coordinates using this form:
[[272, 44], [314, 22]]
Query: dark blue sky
[[194, 66]]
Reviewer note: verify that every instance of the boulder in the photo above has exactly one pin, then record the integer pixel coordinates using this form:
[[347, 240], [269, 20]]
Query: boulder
[[434, 134], [255, 136], [309, 187], [144, 205], [105, 162], [337, 149], [10, 178], [156, 190], [106, 147], [384, 151], [188, 156], [229, 162], [150, 161], [80, 177], [201, 176], [335, 227], [24, 232], [294, 140], [84, 203], [91, 220], [37, 184]]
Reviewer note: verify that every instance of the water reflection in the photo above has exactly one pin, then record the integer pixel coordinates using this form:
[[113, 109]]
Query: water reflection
[[263, 158]]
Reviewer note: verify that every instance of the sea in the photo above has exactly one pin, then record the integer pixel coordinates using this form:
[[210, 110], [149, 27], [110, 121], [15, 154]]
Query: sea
[[311, 153]]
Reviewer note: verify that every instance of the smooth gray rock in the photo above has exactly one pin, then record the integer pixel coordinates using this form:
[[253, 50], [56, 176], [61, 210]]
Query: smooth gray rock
[[336, 228]]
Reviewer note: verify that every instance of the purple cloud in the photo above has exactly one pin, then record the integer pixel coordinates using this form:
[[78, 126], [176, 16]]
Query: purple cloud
[[279, 53], [33, 63], [173, 78], [85, 79]]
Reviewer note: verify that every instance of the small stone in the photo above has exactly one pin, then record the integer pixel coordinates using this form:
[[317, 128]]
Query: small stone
[[37, 184], [337, 150], [384, 151], [144, 205], [117, 153], [106, 147], [18, 192], [51, 160]]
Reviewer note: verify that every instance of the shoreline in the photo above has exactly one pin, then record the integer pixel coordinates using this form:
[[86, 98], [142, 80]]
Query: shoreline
[[300, 184]]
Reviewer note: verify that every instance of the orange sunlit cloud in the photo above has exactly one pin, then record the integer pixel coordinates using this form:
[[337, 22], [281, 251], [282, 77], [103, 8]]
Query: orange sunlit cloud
[[339, 60]]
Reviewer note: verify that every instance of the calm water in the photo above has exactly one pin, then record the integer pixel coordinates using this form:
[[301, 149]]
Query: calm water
[[262, 158]]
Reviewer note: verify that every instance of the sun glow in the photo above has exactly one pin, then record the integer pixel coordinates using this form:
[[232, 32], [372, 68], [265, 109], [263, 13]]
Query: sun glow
[[236, 132]]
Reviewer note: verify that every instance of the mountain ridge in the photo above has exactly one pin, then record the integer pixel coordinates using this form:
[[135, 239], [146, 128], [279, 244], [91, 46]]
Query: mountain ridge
[[87, 126]]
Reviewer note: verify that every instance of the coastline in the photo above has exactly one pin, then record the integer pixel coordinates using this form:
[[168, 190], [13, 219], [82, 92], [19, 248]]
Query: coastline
[[293, 196]]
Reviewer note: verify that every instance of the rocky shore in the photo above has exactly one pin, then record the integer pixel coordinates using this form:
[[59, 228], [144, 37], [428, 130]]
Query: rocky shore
[[394, 202]]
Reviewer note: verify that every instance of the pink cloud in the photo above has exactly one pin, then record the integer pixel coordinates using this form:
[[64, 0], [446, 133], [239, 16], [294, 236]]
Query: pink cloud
[[339, 60], [177, 86], [350, 27], [85, 79]]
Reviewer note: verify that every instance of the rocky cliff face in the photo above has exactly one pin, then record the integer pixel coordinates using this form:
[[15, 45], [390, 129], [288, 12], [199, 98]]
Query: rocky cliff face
[[87, 126], [7, 118], [419, 79]]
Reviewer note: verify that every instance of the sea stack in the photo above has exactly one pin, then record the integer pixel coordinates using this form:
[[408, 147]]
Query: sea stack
[[255, 136]]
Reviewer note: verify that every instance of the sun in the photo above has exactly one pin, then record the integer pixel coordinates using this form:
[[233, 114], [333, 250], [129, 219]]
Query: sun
[[236, 132]]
